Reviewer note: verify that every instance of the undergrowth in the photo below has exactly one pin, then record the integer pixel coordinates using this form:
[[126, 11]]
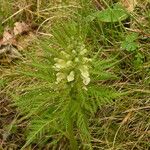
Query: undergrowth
[[90, 86], [70, 90]]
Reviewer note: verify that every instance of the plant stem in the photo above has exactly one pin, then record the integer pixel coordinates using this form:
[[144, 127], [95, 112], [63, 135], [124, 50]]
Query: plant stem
[[73, 142]]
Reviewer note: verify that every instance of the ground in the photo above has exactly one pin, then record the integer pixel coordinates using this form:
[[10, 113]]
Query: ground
[[123, 124]]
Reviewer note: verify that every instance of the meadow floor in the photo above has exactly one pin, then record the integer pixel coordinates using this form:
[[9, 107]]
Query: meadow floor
[[123, 123]]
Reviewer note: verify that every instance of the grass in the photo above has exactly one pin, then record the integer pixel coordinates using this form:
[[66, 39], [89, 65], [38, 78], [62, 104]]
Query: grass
[[121, 125]]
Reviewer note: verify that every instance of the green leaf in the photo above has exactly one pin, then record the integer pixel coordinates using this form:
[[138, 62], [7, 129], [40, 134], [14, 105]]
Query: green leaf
[[82, 124], [102, 95], [37, 128], [130, 44], [115, 14], [132, 37], [130, 47], [138, 60]]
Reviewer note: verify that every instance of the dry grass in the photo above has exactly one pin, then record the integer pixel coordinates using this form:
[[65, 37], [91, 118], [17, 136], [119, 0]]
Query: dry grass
[[123, 125]]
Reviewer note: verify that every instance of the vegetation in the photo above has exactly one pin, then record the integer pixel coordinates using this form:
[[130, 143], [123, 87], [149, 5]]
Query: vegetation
[[80, 75]]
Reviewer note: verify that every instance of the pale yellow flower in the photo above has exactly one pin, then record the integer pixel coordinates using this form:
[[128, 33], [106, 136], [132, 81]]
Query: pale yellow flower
[[86, 60], [69, 63], [70, 77], [85, 74], [72, 61], [76, 59], [65, 54], [61, 64], [84, 70], [83, 52], [74, 52], [60, 76], [86, 80]]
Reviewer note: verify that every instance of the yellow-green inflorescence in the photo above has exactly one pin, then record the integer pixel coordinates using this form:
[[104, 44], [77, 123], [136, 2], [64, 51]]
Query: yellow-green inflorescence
[[71, 64]]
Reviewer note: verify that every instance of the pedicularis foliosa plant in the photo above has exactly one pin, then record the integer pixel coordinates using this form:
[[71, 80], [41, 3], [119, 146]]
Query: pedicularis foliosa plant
[[67, 89]]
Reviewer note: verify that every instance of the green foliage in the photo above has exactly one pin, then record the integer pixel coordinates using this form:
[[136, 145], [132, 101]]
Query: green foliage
[[130, 44], [58, 113], [115, 14], [6, 10], [138, 61], [68, 89]]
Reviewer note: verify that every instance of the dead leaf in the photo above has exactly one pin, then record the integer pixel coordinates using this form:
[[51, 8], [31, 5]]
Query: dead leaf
[[7, 37], [129, 4], [20, 27]]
